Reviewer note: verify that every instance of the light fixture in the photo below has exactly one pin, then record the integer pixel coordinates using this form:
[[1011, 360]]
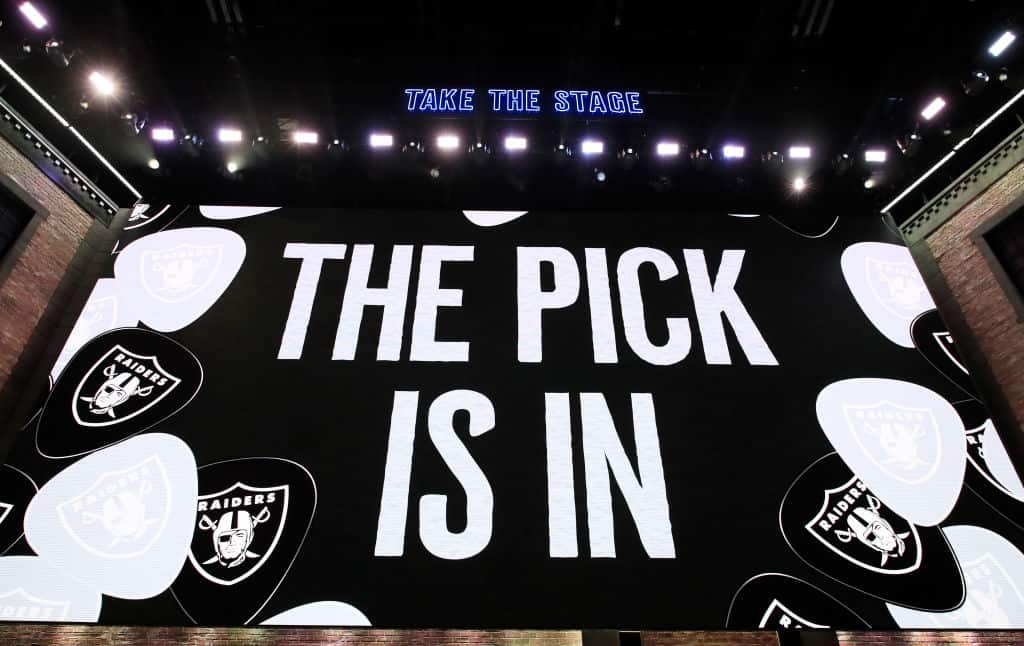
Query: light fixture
[[995, 49], [153, 163], [381, 140], [874, 156], [667, 149], [514, 143], [102, 83], [600, 176], [55, 51], [592, 147], [161, 134], [933, 108], [799, 184], [732, 151], [229, 135], [232, 167], [975, 82], [799, 152], [447, 142], [305, 137], [629, 157], [39, 21]]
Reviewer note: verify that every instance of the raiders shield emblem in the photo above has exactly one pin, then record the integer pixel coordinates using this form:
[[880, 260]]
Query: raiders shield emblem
[[897, 286], [858, 527], [176, 274], [901, 441], [237, 530], [992, 595], [122, 513], [778, 616], [120, 386], [782, 602], [833, 520], [18, 605]]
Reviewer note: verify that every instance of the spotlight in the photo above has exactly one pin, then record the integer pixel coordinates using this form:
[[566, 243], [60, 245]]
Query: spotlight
[[39, 21], [229, 135], [381, 140], [337, 147], [842, 163], [479, 152], [161, 134], [301, 137], [667, 149], [701, 158], [799, 152], [933, 108], [103, 84], [995, 49], [83, 104], [413, 148], [869, 183], [232, 167], [562, 154], [974, 83], [732, 151], [153, 164], [910, 144], [57, 54], [600, 176], [799, 184], [514, 143], [592, 147], [435, 173], [447, 142], [628, 156], [874, 156]]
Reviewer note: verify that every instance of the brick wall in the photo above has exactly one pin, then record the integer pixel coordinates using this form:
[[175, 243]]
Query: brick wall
[[710, 638], [33, 280], [981, 300], [931, 638]]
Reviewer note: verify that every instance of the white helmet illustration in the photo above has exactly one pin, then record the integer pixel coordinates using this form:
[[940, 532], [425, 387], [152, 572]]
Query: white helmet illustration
[[116, 390], [868, 527], [232, 536]]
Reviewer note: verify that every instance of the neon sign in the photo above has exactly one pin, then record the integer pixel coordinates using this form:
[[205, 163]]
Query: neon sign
[[524, 101]]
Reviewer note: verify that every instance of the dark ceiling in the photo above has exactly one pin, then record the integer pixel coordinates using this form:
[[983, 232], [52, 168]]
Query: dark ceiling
[[837, 74]]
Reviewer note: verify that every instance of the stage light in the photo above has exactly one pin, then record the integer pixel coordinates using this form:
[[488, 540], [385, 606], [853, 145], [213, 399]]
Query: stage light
[[57, 54], [799, 152], [732, 151], [562, 154], [153, 163], [933, 108], [229, 135], [975, 83], [628, 156], [447, 142], [799, 184], [995, 50], [701, 158], [874, 156], [435, 173], [39, 21], [381, 140], [232, 167], [870, 183], [162, 134], [513, 143], [667, 149], [600, 176], [103, 84], [305, 137], [592, 147], [910, 145], [83, 104]]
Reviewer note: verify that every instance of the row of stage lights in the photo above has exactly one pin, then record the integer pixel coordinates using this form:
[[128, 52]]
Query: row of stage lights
[[448, 143]]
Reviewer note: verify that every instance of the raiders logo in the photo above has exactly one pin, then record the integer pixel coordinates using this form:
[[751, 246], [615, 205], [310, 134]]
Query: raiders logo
[[250, 520], [16, 490], [176, 274], [237, 531], [34, 591], [121, 385], [123, 513], [118, 384], [993, 572], [887, 286], [839, 526], [901, 440], [18, 605], [980, 478], [936, 344], [144, 214], [782, 602]]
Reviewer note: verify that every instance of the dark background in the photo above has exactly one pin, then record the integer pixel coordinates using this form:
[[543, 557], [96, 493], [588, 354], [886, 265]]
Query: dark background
[[733, 438]]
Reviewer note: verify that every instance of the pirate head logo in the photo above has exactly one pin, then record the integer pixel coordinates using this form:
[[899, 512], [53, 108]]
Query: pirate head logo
[[120, 386], [237, 530], [991, 594], [897, 286], [176, 274], [778, 616], [858, 527], [900, 440], [123, 513]]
